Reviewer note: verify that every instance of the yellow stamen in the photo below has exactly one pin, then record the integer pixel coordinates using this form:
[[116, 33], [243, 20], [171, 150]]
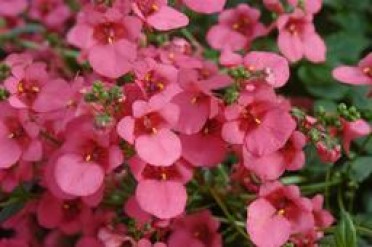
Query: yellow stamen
[[367, 70], [193, 100], [163, 176], [20, 87], [88, 157], [35, 89], [11, 135], [154, 130], [257, 121], [160, 85], [281, 212], [154, 7], [236, 26]]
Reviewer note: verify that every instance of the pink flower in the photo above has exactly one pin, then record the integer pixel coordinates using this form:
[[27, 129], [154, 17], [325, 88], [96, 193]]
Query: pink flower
[[12, 7], [353, 130], [196, 102], [146, 243], [206, 7], [149, 130], [67, 215], [160, 190], [108, 38], [236, 28], [158, 14], [328, 154], [274, 68], [54, 13], [271, 166], [309, 6], [298, 38], [281, 211], [19, 138], [206, 148], [359, 75], [258, 122], [198, 229], [156, 78], [78, 177]]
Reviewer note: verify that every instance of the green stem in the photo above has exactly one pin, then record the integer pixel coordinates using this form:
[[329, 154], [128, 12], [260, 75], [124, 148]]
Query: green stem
[[188, 35], [293, 180], [364, 230], [320, 186], [326, 189], [228, 215]]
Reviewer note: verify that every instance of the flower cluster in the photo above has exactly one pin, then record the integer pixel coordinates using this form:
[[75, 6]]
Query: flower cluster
[[103, 155]]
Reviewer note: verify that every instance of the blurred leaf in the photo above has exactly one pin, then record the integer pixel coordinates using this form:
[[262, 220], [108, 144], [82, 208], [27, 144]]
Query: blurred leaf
[[10, 210], [361, 168], [345, 235], [319, 82], [328, 105]]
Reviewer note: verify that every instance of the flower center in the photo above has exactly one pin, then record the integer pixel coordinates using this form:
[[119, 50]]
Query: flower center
[[109, 32], [242, 24], [367, 71]]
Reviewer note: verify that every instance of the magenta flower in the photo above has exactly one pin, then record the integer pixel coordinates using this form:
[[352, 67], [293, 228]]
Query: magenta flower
[[108, 40], [259, 122], [160, 190], [298, 38], [353, 130], [156, 78], [281, 211], [271, 68], [206, 6], [198, 229], [157, 14], [359, 75], [206, 148], [309, 6], [271, 166], [196, 102], [149, 130], [67, 215], [54, 13], [236, 28], [12, 7], [86, 156], [18, 138]]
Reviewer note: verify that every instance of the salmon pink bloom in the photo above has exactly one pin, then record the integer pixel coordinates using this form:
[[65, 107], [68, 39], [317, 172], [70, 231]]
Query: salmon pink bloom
[[54, 13], [205, 148], [12, 7], [328, 154], [156, 78], [160, 190], [198, 229], [281, 211], [146, 243], [259, 122], [206, 6], [108, 38], [353, 130], [236, 28], [197, 103], [149, 130], [157, 14], [86, 156], [309, 6], [270, 67], [271, 166], [358, 75], [19, 138], [298, 38], [67, 215]]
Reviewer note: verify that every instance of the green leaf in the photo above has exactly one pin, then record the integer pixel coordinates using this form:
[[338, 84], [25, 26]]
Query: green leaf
[[361, 168], [10, 210], [319, 82], [345, 235]]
